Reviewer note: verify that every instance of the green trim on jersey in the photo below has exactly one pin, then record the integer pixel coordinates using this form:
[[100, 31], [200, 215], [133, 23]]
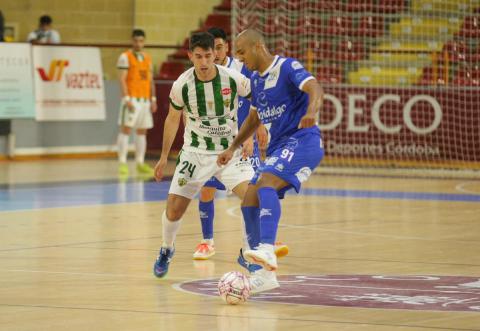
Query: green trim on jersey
[[224, 143], [174, 105], [201, 102], [233, 86], [185, 97], [210, 144], [217, 95], [195, 142]]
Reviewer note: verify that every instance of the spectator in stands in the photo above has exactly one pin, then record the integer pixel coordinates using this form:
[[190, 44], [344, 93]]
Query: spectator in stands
[[45, 34]]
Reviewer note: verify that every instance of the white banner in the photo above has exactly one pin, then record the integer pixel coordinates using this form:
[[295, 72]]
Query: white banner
[[16, 81], [68, 83]]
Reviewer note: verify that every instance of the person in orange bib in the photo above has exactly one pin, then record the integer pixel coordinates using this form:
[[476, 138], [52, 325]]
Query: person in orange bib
[[137, 104]]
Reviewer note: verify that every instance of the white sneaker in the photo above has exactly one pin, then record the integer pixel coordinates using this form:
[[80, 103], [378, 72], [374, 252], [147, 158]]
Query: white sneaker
[[263, 255], [204, 251], [263, 280]]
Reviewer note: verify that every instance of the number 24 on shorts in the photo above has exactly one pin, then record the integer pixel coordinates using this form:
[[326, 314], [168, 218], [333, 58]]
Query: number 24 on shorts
[[189, 167]]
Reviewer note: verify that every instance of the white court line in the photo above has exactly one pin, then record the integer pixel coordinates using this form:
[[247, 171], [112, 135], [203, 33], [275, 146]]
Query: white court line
[[231, 212], [461, 187], [93, 274]]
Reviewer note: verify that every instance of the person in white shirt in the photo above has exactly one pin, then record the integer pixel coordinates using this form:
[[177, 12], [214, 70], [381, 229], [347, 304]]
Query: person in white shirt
[[45, 34]]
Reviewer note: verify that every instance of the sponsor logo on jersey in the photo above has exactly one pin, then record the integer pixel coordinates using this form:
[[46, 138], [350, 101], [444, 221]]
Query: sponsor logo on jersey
[[226, 91], [296, 65], [272, 113], [226, 103]]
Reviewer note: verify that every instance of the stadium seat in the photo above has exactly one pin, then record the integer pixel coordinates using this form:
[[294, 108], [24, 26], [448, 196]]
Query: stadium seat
[[430, 78], [171, 70], [309, 25], [360, 5], [226, 5], [470, 27], [220, 21], [348, 50], [457, 51], [330, 75], [328, 5], [370, 26], [339, 25], [389, 6], [469, 76], [267, 4], [181, 53], [274, 25], [322, 50]]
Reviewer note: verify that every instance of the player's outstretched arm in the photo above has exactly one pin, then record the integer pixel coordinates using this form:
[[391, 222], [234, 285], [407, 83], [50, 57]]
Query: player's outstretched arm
[[169, 132], [315, 101], [247, 130]]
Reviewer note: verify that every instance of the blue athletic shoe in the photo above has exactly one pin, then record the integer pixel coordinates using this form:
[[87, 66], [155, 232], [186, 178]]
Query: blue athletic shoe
[[247, 265], [160, 268]]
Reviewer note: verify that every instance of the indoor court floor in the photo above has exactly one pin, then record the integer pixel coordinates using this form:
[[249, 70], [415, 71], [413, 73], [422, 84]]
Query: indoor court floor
[[369, 250]]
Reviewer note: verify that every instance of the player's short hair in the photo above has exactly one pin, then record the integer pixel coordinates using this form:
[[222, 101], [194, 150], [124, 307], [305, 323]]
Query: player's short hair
[[217, 33], [45, 20], [204, 40], [138, 33]]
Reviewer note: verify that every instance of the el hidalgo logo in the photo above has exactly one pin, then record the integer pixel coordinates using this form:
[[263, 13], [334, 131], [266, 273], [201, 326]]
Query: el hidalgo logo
[[73, 80]]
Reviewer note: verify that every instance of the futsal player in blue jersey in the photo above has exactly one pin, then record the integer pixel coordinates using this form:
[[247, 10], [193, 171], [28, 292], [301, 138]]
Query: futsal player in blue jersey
[[206, 205], [285, 97]]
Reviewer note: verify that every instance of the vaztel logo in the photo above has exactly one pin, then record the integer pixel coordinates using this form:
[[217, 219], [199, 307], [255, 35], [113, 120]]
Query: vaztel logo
[[55, 72]]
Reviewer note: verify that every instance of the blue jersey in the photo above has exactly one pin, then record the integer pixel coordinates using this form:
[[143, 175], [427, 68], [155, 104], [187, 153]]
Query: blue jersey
[[279, 100], [243, 103]]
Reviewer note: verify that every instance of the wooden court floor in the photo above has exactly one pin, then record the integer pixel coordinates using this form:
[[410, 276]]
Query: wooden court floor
[[368, 251]]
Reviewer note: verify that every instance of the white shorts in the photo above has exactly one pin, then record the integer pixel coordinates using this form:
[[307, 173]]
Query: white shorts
[[194, 169], [139, 118]]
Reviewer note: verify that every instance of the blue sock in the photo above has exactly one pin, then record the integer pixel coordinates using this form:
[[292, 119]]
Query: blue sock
[[207, 212], [252, 225], [270, 211]]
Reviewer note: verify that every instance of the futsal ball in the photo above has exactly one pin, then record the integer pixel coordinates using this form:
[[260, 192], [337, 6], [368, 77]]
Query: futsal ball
[[234, 288]]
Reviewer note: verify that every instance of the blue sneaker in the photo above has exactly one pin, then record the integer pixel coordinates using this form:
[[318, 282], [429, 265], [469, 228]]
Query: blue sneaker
[[160, 268], [247, 265]]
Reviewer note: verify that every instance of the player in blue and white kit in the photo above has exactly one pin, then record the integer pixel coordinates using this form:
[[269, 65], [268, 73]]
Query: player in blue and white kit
[[286, 97], [206, 205]]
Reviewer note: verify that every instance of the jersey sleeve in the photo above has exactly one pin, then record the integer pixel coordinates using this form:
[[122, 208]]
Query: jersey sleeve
[[243, 84], [122, 62], [175, 98], [297, 74]]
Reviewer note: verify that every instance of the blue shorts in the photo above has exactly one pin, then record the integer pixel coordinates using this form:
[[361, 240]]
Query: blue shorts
[[293, 161], [215, 183], [255, 161]]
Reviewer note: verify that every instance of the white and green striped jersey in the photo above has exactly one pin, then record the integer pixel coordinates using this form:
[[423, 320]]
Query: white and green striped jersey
[[210, 108]]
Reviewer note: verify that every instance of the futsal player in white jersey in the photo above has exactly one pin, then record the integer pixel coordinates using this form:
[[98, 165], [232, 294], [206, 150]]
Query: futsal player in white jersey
[[206, 204], [208, 96]]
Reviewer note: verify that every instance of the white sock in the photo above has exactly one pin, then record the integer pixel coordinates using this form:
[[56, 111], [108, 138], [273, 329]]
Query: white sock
[[140, 148], [122, 143], [169, 230]]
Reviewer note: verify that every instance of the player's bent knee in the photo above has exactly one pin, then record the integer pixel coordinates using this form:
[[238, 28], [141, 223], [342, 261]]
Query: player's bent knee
[[270, 180], [207, 194], [174, 214], [250, 199]]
